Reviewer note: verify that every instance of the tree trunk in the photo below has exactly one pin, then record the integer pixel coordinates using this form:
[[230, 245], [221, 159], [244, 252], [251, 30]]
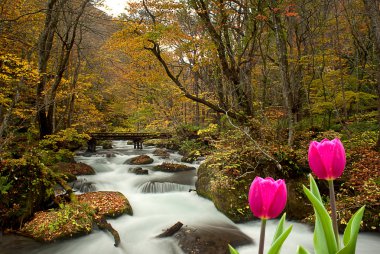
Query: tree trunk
[[230, 62], [282, 55], [45, 43], [67, 46]]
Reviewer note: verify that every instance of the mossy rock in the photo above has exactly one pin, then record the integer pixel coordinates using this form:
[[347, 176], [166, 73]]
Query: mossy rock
[[139, 160], [228, 195], [190, 157], [69, 221], [108, 203], [73, 168], [172, 167], [228, 189]]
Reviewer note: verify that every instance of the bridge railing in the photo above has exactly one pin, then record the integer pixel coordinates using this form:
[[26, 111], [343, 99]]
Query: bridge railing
[[136, 137], [127, 135]]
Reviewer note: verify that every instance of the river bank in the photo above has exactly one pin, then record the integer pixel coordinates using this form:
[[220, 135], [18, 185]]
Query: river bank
[[155, 209]]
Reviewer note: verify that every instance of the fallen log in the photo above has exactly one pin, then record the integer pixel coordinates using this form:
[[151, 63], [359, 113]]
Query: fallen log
[[171, 231], [104, 225]]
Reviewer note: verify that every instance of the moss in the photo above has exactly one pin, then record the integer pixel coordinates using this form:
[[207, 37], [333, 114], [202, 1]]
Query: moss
[[73, 168], [67, 221], [75, 219], [221, 180], [32, 188], [228, 194]]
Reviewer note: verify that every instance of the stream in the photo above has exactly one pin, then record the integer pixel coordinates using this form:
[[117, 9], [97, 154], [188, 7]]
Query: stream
[[159, 200]]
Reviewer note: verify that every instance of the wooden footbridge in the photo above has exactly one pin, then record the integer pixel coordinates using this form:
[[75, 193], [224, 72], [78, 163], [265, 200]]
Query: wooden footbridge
[[136, 137]]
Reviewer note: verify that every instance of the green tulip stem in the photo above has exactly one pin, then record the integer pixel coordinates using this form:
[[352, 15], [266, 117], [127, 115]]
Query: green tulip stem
[[333, 212], [262, 236]]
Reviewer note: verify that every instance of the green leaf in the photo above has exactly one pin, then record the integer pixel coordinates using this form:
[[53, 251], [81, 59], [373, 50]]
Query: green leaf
[[351, 233], [280, 228], [314, 188], [302, 250], [232, 250], [319, 240], [323, 232], [276, 245]]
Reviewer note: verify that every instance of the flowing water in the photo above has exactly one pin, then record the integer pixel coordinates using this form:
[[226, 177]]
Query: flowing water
[[159, 200]]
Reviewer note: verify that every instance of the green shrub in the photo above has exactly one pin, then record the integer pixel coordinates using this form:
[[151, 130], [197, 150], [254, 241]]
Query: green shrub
[[27, 186], [68, 139]]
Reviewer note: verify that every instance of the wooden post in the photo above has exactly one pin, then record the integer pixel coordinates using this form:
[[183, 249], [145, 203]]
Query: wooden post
[[141, 144], [135, 144], [91, 145]]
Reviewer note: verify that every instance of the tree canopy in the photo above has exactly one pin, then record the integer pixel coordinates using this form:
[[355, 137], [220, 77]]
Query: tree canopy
[[65, 63]]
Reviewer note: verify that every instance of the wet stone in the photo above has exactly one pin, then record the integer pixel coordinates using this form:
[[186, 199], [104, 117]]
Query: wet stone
[[139, 160], [210, 239], [138, 171]]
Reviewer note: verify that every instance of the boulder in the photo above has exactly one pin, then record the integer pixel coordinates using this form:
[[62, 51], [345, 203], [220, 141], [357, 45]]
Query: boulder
[[108, 203], [66, 222], [139, 160], [138, 171], [70, 168], [162, 153], [172, 167], [228, 189], [210, 239], [75, 219], [191, 156]]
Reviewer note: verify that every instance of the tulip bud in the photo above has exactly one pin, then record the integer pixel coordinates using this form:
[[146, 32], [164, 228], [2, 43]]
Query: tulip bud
[[267, 197], [327, 159]]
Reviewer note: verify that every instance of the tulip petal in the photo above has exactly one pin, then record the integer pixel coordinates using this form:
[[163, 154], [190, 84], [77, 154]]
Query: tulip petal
[[267, 197], [327, 159], [315, 161], [268, 192], [254, 197], [339, 161], [279, 201], [326, 152]]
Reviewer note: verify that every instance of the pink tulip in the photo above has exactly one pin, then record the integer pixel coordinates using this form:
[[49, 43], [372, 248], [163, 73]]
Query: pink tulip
[[267, 197], [327, 159]]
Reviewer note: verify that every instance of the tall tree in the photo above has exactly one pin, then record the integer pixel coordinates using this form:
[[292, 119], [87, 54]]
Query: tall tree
[[62, 20]]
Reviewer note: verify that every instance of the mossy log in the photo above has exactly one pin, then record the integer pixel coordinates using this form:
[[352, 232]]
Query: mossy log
[[104, 225]]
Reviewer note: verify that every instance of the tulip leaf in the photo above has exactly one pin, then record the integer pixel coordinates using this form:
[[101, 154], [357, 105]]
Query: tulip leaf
[[351, 233], [324, 239], [320, 245], [280, 228], [314, 188], [319, 238], [302, 250], [276, 245], [232, 250]]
